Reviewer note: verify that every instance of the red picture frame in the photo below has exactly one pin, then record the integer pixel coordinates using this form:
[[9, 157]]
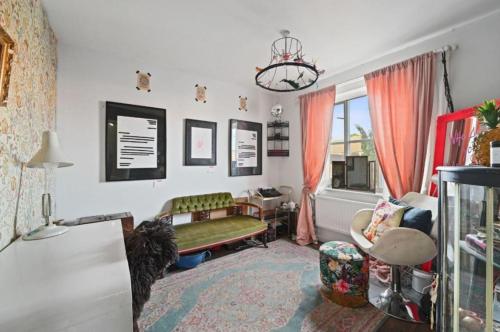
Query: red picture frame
[[441, 126]]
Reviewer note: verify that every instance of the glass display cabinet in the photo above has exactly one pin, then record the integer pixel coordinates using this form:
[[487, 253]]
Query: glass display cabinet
[[469, 249]]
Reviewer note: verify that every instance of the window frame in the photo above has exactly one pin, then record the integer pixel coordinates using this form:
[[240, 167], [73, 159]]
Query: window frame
[[352, 89], [327, 175], [346, 141]]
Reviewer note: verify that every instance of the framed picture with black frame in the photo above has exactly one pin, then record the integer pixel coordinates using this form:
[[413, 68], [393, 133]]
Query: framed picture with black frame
[[338, 174], [135, 147], [357, 173], [200, 143], [245, 148]]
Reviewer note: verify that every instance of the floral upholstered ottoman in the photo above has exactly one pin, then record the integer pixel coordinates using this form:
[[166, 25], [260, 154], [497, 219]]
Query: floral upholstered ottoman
[[344, 271]]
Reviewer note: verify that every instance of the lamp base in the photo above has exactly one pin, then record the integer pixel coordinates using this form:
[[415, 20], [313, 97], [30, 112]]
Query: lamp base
[[45, 231]]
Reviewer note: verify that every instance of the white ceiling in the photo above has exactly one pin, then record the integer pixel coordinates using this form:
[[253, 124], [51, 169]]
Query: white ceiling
[[227, 39]]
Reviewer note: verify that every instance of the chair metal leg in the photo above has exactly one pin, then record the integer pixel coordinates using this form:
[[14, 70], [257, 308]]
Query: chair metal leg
[[393, 303]]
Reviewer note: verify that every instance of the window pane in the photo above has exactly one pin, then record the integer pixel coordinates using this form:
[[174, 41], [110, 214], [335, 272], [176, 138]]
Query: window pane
[[359, 119], [338, 123], [364, 148], [337, 152]]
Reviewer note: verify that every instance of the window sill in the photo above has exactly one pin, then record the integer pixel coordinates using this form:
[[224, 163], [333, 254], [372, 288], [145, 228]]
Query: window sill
[[354, 195]]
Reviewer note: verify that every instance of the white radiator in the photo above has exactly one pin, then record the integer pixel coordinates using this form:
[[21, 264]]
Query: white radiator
[[335, 209]]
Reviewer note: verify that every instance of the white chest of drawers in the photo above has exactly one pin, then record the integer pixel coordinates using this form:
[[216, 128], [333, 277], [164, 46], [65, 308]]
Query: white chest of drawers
[[78, 281]]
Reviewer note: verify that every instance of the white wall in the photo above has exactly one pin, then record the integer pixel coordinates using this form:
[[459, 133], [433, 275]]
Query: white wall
[[474, 76], [87, 79]]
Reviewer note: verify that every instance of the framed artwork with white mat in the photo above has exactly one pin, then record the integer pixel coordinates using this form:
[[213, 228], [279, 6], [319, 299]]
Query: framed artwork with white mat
[[200, 143]]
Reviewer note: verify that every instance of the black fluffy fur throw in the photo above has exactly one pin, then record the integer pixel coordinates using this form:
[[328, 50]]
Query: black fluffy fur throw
[[150, 250]]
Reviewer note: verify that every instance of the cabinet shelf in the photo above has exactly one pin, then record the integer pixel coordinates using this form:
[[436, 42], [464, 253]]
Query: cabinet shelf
[[476, 254], [282, 138], [469, 260], [278, 138], [278, 124], [278, 153]]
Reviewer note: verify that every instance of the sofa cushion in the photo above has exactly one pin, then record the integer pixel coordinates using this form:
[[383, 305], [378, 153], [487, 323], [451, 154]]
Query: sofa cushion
[[197, 203], [209, 232]]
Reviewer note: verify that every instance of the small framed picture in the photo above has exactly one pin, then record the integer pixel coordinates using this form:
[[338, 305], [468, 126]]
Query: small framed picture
[[200, 143], [338, 174], [357, 173]]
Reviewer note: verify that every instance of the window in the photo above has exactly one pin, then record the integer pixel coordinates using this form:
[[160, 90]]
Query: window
[[352, 132]]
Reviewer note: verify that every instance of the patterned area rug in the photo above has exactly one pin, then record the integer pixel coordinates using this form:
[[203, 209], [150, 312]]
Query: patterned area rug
[[275, 289]]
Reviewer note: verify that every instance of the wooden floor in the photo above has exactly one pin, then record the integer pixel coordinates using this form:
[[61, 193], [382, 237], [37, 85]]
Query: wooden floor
[[396, 325]]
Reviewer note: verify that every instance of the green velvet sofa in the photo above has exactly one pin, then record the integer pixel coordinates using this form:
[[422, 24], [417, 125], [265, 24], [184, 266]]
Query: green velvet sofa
[[210, 226]]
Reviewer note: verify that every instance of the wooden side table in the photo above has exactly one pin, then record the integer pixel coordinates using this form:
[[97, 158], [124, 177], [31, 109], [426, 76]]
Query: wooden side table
[[289, 218], [282, 216]]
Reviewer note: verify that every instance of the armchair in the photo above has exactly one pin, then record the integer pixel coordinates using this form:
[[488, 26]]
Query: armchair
[[398, 247]]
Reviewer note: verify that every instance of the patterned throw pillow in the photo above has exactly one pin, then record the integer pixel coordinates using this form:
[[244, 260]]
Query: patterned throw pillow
[[385, 216]]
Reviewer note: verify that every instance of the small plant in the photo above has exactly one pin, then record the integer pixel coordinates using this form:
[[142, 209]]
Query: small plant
[[489, 113]]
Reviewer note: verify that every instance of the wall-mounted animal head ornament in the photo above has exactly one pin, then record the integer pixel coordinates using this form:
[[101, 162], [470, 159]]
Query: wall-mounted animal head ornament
[[243, 103], [201, 93], [143, 81]]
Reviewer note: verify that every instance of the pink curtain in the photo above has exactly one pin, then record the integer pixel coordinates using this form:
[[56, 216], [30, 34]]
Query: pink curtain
[[400, 99], [316, 115]]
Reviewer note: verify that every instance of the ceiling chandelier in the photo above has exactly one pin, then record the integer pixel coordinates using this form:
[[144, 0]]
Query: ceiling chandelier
[[287, 71]]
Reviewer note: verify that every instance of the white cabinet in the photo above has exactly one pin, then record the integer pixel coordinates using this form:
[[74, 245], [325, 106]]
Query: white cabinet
[[78, 281]]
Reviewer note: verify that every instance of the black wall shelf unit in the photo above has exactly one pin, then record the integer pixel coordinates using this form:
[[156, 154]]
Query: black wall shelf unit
[[278, 139]]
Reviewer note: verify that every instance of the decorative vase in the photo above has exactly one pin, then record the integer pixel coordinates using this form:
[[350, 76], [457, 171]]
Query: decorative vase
[[481, 146]]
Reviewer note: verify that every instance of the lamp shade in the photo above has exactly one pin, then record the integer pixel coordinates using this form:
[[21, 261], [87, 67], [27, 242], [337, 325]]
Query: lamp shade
[[49, 153]]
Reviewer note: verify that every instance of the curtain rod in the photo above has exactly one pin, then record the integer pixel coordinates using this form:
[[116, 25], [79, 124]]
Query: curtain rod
[[446, 48], [413, 43]]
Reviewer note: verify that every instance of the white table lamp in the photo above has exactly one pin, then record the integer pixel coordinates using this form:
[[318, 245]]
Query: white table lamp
[[49, 157]]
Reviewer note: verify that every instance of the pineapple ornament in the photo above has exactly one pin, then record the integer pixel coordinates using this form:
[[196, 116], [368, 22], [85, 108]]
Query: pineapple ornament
[[488, 115]]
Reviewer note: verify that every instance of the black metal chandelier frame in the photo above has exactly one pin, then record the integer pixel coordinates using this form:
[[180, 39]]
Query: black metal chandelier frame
[[291, 59]]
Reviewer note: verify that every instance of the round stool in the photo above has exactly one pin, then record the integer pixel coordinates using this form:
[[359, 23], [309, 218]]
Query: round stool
[[344, 271]]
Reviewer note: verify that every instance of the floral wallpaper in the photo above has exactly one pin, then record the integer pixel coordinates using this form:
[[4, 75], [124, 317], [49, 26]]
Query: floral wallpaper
[[30, 110]]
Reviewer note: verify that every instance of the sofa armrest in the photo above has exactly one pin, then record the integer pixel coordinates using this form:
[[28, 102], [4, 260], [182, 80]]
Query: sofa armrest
[[360, 221], [261, 212], [404, 246]]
